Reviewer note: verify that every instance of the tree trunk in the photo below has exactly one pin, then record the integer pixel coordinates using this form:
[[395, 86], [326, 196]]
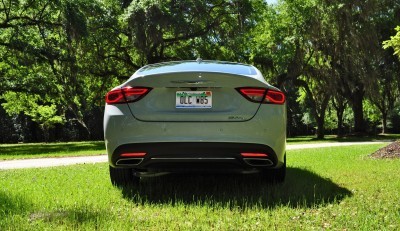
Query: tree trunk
[[384, 123], [320, 127], [321, 117], [339, 114], [357, 106], [340, 104]]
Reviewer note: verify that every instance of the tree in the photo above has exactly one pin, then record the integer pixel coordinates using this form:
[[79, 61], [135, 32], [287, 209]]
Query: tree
[[354, 48], [41, 110], [318, 92], [175, 30], [63, 56], [52, 49], [74, 51], [339, 103], [286, 46], [394, 43], [385, 93]]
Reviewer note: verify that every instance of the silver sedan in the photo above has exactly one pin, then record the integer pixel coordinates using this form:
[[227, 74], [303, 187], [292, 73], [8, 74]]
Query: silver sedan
[[195, 116]]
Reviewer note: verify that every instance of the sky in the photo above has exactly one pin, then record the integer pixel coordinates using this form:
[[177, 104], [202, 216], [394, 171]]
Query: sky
[[271, 1]]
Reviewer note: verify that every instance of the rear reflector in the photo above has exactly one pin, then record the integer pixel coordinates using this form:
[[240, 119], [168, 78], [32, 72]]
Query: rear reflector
[[262, 95], [126, 94], [133, 154], [251, 154]]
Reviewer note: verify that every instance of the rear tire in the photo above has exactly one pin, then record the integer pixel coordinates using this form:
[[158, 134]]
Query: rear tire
[[123, 177], [277, 175]]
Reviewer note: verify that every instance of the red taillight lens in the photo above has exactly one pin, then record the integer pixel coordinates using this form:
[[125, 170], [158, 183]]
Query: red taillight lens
[[253, 94], [252, 154], [133, 154], [126, 94], [115, 96], [274, 97], [262, 95]]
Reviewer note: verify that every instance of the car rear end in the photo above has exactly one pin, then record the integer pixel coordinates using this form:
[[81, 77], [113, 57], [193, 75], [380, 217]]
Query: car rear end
[[185, 116]]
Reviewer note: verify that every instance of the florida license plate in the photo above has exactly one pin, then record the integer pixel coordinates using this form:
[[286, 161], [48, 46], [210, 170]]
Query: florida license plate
[[193, 99]]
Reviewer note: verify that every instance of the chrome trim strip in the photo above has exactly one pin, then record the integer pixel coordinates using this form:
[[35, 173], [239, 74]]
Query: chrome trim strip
[[193, 82], [193, 158]]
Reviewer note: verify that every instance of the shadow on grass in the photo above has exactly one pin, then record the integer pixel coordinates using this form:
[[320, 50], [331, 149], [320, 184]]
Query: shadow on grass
[[49, 148], [10, 205], [72, 216], [14, 205], [301, 189]]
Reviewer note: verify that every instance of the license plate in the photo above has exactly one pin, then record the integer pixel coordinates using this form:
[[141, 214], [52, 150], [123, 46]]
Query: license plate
[[193, 99]]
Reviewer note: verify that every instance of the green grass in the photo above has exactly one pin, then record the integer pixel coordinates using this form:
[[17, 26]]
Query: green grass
[[334, 138], [37, 150], [328, 188]]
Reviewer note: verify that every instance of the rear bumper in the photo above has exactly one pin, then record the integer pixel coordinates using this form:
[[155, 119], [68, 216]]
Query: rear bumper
[[192, 145], [193, 156]]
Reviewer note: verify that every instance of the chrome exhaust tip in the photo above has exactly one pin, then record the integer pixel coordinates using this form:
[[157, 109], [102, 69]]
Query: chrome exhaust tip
[[129, 161], [258, 162]]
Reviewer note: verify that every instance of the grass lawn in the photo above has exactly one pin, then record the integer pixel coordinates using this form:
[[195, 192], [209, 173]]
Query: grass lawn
[[327, 188], [334, 138], [37, 150]]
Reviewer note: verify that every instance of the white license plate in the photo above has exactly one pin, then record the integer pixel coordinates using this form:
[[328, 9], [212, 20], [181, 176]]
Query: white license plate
[[193, 99]]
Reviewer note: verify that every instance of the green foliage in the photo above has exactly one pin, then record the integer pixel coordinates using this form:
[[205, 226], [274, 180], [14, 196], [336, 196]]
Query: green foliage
[[394, 42], [169, 30], [65, 51], [73, 52], [45, 115], [372, 112]]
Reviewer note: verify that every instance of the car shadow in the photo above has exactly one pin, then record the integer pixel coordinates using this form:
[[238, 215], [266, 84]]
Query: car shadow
[[13, 205], [302, 188]]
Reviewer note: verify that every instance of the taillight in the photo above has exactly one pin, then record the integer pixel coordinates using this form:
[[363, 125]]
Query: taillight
[[133, 154], [262, 95], [126, 94], [253, 154], [275, 97]]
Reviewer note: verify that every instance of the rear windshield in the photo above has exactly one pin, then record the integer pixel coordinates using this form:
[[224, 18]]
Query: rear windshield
[[204, 66]]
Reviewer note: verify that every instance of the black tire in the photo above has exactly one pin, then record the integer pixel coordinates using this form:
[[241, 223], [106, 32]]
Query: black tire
[[277, 175], [123, 177]]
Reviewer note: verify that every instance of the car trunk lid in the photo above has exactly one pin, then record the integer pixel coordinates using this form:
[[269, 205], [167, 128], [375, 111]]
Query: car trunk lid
[[194, 96]]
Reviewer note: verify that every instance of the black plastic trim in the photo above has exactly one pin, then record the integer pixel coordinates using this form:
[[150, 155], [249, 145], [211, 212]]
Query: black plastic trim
[[176, 156]]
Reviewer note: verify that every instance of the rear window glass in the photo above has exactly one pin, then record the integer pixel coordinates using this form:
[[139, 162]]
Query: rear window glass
[[204, 66]]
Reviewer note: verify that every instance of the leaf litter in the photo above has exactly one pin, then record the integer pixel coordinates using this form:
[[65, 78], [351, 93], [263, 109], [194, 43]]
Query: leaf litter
[[391, 151]]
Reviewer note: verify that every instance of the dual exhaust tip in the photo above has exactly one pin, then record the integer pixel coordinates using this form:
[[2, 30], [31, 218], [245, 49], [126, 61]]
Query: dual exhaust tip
[[257, 162]]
